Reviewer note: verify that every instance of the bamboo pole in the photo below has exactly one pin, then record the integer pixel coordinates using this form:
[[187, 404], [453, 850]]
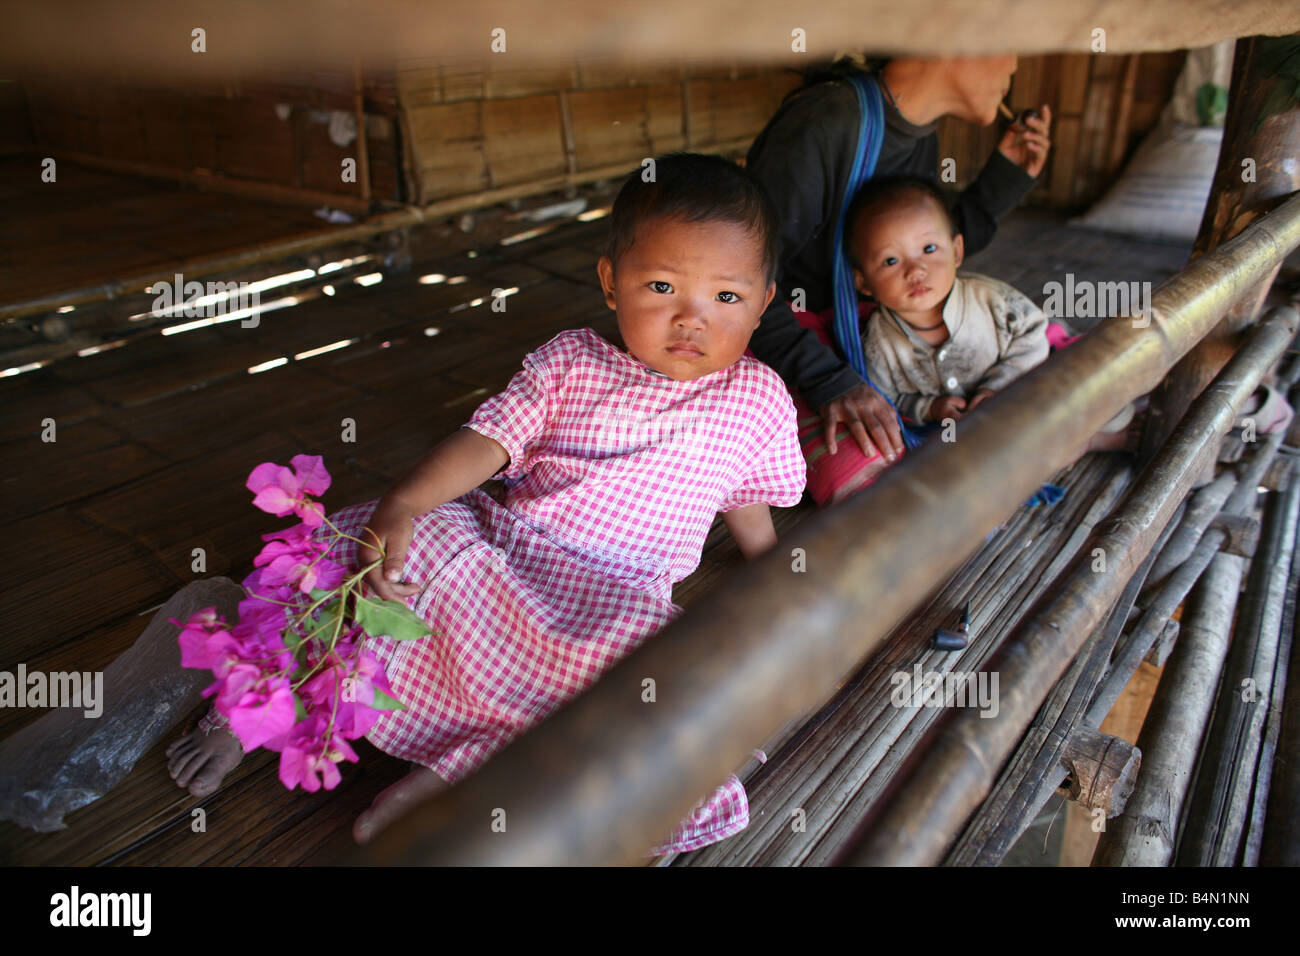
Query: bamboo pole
[[1034, 772], [1143, 835], [216, 182], [836, 769], [363, 147], [1253, 840], [328, 236], [1219, 809], [1205, 503], [1281, 841], [917, 821], [607, 775], [1179, 582]]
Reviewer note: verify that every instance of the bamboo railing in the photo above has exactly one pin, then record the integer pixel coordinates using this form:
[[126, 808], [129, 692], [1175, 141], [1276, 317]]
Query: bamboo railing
[[608, 775]]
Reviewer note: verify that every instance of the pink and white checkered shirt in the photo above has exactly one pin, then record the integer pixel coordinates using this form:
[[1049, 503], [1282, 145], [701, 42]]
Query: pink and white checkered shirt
[[616, 474]]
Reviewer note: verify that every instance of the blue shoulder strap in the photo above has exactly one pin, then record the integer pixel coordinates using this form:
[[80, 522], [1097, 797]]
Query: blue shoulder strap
[[871, 134]]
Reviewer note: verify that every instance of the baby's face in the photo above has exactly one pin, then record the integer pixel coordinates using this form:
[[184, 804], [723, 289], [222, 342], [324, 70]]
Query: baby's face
[[688, 295], [906, 260]]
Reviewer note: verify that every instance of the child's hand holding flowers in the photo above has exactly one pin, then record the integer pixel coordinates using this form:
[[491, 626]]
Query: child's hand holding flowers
[[293, 675]]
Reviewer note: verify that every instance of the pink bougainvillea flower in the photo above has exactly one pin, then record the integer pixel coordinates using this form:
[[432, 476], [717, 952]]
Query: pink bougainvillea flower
[[268, 593], [264, 617], [216, 651], [265, 649], [306, 550], [302, 573], [355, 719], [295, 534], [309, 759], [348, 695], [202, 638], [253, 663], [369, 675], [281, 491], [213, 647], [325, 685], [207, 618], [238, 679], [259, 709]]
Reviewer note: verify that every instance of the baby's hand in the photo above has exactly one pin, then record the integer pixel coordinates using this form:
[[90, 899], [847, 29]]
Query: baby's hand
[[978, 399], [391, 527], [947, 406]]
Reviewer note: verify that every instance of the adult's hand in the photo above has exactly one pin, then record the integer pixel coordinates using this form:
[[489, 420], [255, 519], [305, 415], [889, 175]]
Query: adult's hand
[[1028, 147], [865, 413]]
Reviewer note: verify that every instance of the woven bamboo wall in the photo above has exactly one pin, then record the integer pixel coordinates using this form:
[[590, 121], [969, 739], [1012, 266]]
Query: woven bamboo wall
[[1102, 106], [447, 129], [472, 128], [229, 128]]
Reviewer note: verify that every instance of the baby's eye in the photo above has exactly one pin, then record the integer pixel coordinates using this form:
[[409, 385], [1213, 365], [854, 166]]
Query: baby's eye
[[890, 260], [931, 247], [734, 297], [659, 282]]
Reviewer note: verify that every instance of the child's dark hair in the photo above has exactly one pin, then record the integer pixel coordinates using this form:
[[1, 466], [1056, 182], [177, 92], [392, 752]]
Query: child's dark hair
[[884, 192], [696, 188]]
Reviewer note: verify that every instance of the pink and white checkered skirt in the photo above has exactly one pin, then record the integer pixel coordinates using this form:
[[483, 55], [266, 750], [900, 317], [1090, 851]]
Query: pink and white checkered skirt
[[520, 626]]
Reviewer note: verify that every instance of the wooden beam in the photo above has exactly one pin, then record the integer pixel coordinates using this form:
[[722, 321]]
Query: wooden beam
[[214, 182], [156, 36], [1263, 145], [1123, 113], [1103, 770]]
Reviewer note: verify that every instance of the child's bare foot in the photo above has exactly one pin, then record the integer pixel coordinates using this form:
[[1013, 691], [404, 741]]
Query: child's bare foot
[[199, 761], [395, 801]]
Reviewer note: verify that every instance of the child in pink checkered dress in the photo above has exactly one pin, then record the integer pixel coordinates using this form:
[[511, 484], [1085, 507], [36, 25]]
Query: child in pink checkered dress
[[616, 460]]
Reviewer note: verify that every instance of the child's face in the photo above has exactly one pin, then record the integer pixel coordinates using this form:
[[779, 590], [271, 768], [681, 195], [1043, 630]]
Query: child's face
[[688, 295], [906, 260]]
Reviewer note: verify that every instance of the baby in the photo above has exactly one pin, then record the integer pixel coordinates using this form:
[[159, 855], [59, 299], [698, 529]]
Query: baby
[[616, 459], [940, 344]]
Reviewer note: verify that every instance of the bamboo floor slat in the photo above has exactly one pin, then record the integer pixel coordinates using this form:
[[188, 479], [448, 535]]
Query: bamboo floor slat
[[92, 226]]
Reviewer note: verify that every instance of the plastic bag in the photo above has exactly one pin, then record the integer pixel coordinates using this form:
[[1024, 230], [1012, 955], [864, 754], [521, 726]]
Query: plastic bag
[[66, 760]]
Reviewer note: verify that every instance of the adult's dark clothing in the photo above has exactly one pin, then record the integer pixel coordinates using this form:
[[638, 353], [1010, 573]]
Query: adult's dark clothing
[[803, 157]]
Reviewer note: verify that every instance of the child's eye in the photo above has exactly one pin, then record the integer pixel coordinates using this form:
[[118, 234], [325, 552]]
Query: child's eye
[[931, 247], [890, 260], [734, 297], [659, 282]]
